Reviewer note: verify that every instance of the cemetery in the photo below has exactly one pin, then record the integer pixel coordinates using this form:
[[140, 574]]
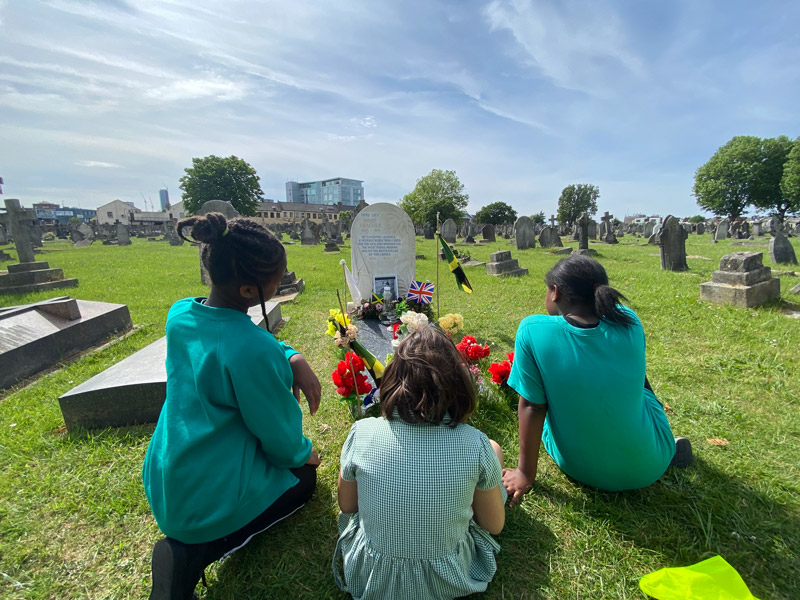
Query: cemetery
[[722, 333]]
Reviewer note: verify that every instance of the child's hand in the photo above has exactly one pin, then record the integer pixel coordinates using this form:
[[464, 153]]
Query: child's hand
[[517, 484], [305, 380], [313, 460]]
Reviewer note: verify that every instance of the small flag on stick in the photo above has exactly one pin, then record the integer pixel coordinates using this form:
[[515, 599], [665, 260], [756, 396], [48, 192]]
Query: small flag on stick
[[419, 292], [455, 268], [355, 293]]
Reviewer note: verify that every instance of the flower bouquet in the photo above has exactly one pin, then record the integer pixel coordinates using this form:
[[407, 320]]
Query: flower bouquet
[[500, 372], [409, 322], [451, 323], [351, 382]]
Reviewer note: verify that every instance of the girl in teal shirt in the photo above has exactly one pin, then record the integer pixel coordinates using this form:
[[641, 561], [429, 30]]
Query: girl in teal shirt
[[580, 374], [228, 457]]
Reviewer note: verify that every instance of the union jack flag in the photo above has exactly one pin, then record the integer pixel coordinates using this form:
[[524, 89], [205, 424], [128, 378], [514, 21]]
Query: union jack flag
[[421, 293]]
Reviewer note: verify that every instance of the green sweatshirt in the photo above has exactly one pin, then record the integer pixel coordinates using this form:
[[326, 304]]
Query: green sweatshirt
[[230, 428]]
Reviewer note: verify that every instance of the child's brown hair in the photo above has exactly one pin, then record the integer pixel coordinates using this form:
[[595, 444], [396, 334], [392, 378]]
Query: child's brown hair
[[426, 380]]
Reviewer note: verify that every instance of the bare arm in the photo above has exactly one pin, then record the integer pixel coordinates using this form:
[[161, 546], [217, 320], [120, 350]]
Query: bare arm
[[488, 509], [519, 481], [348, 495]]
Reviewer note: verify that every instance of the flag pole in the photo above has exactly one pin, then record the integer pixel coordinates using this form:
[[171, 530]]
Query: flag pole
[[350, 357], [344, 276], [436, 255]]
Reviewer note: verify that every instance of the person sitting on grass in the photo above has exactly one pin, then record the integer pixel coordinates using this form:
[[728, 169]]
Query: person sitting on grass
[[419, 490], [228, 457], [580, 374]]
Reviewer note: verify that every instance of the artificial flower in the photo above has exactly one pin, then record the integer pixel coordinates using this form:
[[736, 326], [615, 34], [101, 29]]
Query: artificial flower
[[335, 320], [471, 350], [414, 321], [452, 323]]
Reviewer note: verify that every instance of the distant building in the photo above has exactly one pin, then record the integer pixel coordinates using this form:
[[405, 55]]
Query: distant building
[[141, 217], [328, 191], [52, 216], [116, 211], [163, 195], [272, 212]]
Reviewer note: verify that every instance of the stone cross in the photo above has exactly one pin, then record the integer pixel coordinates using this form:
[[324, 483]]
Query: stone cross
[[16, 217], [552, 220], [583, 231]]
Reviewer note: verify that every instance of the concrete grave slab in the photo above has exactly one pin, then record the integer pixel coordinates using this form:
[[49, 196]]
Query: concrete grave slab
[[132, 391], [34, 337]]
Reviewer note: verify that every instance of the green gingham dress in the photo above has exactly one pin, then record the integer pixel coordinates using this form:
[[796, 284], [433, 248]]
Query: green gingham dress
[[413, 535]]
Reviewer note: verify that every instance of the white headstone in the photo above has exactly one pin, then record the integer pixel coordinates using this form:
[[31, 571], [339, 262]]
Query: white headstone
[[382, 243]]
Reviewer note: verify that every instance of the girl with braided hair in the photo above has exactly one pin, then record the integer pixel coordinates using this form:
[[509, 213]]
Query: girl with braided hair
[[580, 374], [228, 457]]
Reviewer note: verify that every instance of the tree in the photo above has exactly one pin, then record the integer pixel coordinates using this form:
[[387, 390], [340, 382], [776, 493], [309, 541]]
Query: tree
[[496, 213], [729, 181], [437, 192], [345, 217], [538, 217], [697, 219], [768, 192], [575, 199], [217, 178], [790, 182]]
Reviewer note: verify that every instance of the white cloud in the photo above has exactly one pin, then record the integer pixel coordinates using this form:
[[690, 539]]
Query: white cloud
[[97, 163], [188, 89]]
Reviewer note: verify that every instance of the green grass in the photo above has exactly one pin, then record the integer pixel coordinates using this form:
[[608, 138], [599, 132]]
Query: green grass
[[74, 521]]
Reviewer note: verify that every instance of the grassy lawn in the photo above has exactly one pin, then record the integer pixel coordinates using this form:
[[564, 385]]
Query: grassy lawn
[[74, 521]]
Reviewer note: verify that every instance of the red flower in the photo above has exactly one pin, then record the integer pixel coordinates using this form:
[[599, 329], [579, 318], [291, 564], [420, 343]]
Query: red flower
[[348, 381], [471, 350], [500, 372], [395, 327], [510, 356]]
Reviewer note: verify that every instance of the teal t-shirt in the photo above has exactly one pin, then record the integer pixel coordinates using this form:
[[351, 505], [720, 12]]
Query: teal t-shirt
[[230, 428], [603, 428]]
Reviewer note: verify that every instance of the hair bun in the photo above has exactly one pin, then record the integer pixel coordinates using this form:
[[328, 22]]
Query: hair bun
[[209, 228]]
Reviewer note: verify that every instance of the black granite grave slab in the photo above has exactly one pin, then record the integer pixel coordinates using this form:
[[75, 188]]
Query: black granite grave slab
[[35, 337], [375, 336], [133, 390]]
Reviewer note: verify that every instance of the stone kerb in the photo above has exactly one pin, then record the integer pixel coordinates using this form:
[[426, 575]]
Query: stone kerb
[[502, 265], [742, 280]]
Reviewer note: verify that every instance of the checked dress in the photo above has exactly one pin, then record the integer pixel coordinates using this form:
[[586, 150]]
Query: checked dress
[[414, 536]]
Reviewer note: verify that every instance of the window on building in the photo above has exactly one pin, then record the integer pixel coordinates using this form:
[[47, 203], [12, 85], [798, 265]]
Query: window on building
[[110, 215], [285, 214]]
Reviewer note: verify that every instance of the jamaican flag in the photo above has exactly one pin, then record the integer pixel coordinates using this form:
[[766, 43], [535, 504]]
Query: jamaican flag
[[455, 268]]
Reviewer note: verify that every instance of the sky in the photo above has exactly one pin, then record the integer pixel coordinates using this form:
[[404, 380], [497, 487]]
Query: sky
[[106, 99]]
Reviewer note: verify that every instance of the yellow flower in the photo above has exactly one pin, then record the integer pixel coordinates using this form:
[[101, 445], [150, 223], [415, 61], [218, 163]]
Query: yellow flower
[[336, 315], [452, 323]]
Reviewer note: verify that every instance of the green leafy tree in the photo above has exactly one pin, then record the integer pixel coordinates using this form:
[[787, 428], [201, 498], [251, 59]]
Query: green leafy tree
[[575, 199], [790, 181], [217, 178], [769, 195], [496, 213], [538, 217], [345, 217], [731, 179], [437, 192], [697, 219]]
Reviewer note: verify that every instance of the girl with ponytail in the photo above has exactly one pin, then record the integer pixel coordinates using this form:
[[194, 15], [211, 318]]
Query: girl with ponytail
[[580, 374], [228, 457]]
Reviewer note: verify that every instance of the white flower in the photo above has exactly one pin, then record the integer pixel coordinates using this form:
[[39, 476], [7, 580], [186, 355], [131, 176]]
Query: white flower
[[414, 321]]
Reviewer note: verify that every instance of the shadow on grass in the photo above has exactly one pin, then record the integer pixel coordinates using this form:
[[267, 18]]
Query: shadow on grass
[[693, 514]]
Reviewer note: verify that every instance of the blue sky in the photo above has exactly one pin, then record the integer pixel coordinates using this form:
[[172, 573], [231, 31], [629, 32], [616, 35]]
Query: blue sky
[[110, 99]]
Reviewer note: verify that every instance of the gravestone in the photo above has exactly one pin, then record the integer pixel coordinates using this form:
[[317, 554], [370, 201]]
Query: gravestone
[[29, 275], [780, 249], [549, 238], [744, 230], [576, 232], [648, 229], [757, 229], [171, 234], [35, 337], [722, 231], [489, 234], [132, 391], [502, 265], [742, 280], [672, 240], [701, 228], [290, 284], [382, 243], [123, 238], [469, 234], [331, 246], [219, 206], [592, 229], [85, 232], [523, 230], [582, 227], [449, 231], [607, 229], [428, 231], [307, 238], [3, 235], [734, 229]]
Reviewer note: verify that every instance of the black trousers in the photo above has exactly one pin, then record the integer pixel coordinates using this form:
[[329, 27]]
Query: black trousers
[[288, 503]]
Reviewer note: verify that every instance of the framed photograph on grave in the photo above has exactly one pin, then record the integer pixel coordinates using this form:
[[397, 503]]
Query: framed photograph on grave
[[381, 281]]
